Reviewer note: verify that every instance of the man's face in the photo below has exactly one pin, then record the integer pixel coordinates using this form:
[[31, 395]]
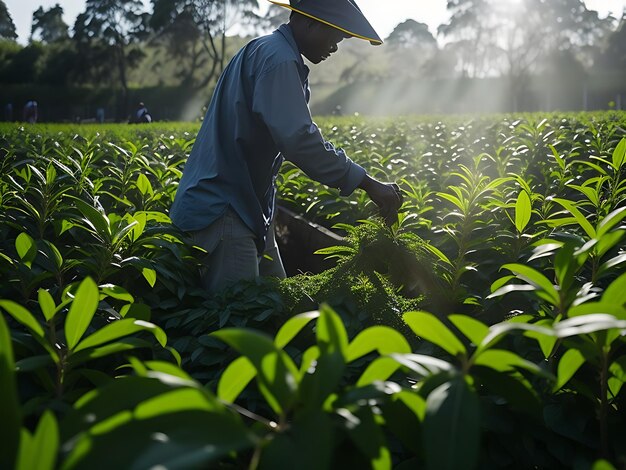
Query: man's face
[[321, 41]]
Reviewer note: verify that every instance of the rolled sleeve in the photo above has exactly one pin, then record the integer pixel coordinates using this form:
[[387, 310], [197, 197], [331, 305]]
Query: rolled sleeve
[[280, 102]]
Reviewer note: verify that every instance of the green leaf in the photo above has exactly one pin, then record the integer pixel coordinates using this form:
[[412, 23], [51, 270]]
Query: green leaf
[[379, 369], [423, 365], [235, 379], [473, 329], [123, 232], [116, 292], [46, 303], [81, 311], [618, 368], [534, 277], [454, 200], [174, 440], [587, 323], [292, 327], [23, 316], [144, 185], [41, 450], [566, 265], [452, 427], [591, 193], [609, 308], [149, 275], [383, 339], [580, 218], [502, 361], [523, 211], [26, 248], [571, 361], [276, 372], [608, 241], [125, 344], [168, 368], [307, 444], [10, 411], [619, 155], [370, 440], [610, 221], [119, 329], [429, 327], [614, 294], [546, 343], [499, 330], [95, 217], [56, 254], [602, 465], [331, 334]]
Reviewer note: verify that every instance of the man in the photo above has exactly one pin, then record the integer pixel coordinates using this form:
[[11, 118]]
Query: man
[[259, 116]]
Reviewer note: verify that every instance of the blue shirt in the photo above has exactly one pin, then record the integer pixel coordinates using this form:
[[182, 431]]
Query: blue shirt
[[258, 116]]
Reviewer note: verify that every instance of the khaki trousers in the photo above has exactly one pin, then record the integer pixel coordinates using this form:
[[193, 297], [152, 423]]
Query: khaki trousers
[[232, 254]]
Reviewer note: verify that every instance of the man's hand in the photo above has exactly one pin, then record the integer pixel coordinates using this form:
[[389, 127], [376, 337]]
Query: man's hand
[[386, 196]]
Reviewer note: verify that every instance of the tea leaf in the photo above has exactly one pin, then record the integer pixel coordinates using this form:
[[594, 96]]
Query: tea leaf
[[275, 370], [429, 327], [580, 218], [10, 410], [523, 210], [235, 379], [292, 327], [40, 451], [149, 275], [23, 316], [46, 303], [534, 277], [571, 361], [81, 311], [614, 294], [383, 339], [118, 329], [26, 248], [473, 329], [452, 426], [619, 155]]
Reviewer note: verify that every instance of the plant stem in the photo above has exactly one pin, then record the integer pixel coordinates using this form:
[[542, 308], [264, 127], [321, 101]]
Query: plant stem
[[604, 405]]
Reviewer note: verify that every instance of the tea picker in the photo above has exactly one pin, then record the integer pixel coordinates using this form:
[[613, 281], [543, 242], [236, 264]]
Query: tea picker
[[257, 118]]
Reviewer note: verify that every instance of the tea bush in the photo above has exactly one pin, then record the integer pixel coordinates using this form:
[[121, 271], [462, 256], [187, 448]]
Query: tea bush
[[484, 330]]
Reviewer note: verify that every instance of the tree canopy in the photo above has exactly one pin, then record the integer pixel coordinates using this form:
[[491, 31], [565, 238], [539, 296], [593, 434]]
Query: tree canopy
[[7, 27], [48, 25]]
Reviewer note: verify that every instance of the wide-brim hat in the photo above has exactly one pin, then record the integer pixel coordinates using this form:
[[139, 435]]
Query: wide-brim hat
[[343, 15]]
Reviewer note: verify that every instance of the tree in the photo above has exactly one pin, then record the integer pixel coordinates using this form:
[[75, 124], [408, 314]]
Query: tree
[[613, 56], [7, 27], [470, 30], [411, 34], [49, 25], [197, 29], [111, 29], [512, 38], [413, 46]]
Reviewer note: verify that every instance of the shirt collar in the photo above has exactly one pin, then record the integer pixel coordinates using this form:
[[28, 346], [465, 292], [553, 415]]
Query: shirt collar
[[285, 30]]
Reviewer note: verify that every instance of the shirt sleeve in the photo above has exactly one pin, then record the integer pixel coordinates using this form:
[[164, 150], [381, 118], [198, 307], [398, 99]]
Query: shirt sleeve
[[280, 101]]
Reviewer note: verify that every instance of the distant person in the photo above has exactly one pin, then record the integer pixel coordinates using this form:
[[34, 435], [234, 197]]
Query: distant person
[[31, 112], [8, 112], [257, 118], [141, 114], [100, 115]]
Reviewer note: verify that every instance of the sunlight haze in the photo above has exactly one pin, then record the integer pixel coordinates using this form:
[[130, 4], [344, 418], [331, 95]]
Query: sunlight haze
[[383, 15]]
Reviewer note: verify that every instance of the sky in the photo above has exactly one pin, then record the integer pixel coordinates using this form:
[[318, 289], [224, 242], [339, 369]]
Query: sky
[[384, 15]]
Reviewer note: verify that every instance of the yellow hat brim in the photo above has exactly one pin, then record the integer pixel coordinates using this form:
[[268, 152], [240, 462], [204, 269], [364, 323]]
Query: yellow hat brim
[[350, 33]]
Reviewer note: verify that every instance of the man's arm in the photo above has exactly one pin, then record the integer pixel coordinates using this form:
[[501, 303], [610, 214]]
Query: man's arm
[[280, 102]]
